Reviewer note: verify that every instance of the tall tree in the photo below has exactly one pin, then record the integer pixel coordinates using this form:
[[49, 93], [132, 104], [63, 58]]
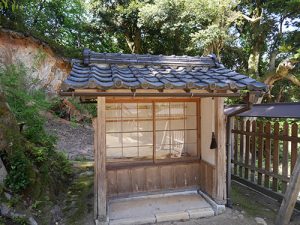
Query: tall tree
[[64, 24], [120, 18], [269, 32]]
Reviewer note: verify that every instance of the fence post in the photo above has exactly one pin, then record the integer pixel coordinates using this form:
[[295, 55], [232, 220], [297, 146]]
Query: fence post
[[235, 147], [275, 156], [294, 151], [285, 155], [290, 197], [260, 150], [241, 158], [247, 150], [253, 150], [267, 131]]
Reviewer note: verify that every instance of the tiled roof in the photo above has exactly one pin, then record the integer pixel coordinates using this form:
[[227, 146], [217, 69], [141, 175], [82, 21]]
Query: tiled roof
[[128, 71]]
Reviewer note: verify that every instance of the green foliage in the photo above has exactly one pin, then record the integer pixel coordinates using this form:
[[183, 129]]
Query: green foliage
[[20, 220], [63, 24], [2, 221], [18, 178], [90, 109], [33, 163], [253, 37], [26, 103]]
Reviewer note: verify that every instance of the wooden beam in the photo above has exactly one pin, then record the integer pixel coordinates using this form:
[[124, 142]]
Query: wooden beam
[[220, 128], [100, 159], [95, 168], [149, 94], [290, 197]]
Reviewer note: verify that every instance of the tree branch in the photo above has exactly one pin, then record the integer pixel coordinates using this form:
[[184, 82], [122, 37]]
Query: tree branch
[[283, 70], [293, 79], [252, 20]]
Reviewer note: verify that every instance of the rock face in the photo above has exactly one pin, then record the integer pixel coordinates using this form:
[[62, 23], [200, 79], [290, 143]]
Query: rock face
[[3, 172], [41, 64]]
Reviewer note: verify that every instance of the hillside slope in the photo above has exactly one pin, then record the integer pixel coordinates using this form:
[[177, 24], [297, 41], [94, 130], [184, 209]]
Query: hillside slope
[[46, 69]]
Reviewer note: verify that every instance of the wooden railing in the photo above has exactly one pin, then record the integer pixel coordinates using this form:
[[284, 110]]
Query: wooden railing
[[265, 152]]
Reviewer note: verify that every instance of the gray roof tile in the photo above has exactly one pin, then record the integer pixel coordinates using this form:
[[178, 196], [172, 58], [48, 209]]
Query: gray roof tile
[[116, 71]]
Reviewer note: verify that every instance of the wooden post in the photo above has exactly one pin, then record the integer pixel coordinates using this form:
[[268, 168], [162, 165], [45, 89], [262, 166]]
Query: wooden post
[[285, 156], [220, 128], [247, 153], [235, 147], [267, 153], [100, 159], [275, 156], [294, 151], [290, 197], [253, 150], [260, 151], [95, 168], [242, 147]]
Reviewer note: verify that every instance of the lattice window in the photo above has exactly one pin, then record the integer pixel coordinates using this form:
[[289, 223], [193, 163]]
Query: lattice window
[[152, 130]]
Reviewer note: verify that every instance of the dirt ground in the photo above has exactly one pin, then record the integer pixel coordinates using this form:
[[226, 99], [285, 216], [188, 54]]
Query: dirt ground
[[77, 142]]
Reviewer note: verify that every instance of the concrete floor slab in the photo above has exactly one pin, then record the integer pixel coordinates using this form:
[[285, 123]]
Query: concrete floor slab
[[158, 208]]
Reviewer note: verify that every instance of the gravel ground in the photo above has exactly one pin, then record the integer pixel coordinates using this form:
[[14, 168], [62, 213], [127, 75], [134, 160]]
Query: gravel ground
[[76, 140]]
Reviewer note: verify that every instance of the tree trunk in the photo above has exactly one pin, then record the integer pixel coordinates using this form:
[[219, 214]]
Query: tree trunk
[[134, 41], [257, 38], [253, 62]]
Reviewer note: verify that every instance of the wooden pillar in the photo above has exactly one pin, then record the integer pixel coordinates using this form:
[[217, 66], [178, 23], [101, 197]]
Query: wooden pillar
[[220, 154], [100, 159], [290, 197]]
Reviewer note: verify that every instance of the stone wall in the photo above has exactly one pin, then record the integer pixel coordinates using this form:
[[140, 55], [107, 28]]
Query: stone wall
[[42, 65]]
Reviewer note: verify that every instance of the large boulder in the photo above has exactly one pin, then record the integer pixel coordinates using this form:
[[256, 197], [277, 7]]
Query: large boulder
[[41, 63]]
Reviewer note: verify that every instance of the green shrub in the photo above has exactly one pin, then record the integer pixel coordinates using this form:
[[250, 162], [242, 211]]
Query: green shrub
[[20, 220], [32, 162], [18, 177]]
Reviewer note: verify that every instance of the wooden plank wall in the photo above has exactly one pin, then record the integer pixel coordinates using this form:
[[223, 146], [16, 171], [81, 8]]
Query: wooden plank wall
[[162, 177], [268, 150], [208, 178], [124, 181]]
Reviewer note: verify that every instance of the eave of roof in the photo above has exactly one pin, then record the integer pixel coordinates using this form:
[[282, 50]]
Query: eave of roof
[[106, 71], [274, 110]]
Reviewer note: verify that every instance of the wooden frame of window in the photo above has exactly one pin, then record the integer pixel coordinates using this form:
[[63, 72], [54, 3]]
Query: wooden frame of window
[[122, 163]]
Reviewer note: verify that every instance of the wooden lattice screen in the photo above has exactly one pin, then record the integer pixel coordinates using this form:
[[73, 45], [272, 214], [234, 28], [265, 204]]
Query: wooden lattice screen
[[265, 152]]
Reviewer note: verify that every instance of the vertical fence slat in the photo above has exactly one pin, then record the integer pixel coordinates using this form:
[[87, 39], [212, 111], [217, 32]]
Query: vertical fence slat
[[294, 146], [241, 158], [235, 144], [253, 151], [258, 148], [247, 150], [285, 155], [275, 156], [260, 151], [267, 153]]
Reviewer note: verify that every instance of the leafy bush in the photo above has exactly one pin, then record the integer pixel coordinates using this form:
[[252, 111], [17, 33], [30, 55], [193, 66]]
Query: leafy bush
[[20, 220], [31, 159]]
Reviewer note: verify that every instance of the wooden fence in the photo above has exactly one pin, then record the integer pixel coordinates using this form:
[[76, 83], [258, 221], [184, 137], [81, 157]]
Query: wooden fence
[[265, 153]]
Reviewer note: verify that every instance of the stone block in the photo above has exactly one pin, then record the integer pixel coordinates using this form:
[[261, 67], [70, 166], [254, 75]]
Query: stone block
[[172, 216], [133, 221], [200, 213]]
